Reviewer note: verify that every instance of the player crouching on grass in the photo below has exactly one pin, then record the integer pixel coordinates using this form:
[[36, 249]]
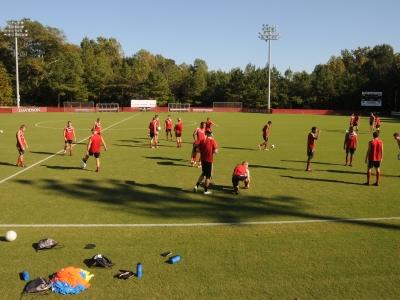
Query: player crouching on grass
[[241, 173], [94, 149], [208, 148], [22, 145], [374, 157], [350, 144], [312, 136], [69, 136]]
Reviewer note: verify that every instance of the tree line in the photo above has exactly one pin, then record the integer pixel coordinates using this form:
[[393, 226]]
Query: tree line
[[53, 71]]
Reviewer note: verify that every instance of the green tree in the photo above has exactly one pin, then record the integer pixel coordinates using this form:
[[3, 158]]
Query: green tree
[[5, 87]]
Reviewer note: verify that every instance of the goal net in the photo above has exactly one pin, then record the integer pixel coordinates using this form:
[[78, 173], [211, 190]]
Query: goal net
[[179, 107], [227, 106], [107, 107], [78, 106]]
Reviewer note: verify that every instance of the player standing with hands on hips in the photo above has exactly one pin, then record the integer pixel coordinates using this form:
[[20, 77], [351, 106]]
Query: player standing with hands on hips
[[312, 136], [374, 157]]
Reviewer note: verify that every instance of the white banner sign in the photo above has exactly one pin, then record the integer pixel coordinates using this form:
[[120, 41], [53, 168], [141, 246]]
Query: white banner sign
[[143, 103], [371, 99]]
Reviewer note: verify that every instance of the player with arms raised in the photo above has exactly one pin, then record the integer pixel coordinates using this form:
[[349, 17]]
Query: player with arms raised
[[168, 125], [374, 157], [178, 132], [69, 136], [94, 149], [22, 145], [312, 137], [350, 144]]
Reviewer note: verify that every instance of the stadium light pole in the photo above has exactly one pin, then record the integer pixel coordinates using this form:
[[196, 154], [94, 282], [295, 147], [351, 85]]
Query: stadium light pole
[[15, 29], [269, 33]]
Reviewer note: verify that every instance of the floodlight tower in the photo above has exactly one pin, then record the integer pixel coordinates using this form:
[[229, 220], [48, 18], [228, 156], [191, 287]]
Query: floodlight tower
[[16, 29], [269, 33]]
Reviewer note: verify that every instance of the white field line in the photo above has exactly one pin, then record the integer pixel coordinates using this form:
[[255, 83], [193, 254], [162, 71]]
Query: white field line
[[59, 152], [198, 224]]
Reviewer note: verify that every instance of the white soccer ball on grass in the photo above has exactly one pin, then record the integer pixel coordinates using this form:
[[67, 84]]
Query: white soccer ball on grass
[[272, 146], [1, 131], [11, 236]]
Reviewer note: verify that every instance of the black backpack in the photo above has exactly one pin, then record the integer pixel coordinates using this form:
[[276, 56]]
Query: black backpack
[[46, 244], [37, 286], [100, 261]]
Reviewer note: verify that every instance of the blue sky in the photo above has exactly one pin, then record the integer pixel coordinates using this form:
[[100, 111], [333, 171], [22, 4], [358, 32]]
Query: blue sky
[[224, 33]]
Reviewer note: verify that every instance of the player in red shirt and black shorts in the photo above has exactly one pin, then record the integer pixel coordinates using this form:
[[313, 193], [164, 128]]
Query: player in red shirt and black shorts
[[241, 173], [266, 132], [350, 144], [209, 124], [312, 136], [377, 123], [97, 126], [208, 148], [153, 132], [178, 132], [22, 145], [168, 125], [372, 122], [69, 137], [198, 136], [94, 149], [374, 157], [355, 122]]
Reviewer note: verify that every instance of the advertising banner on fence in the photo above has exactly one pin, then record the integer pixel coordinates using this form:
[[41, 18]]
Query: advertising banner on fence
[[29, 109], [143, 103], [369, 99]]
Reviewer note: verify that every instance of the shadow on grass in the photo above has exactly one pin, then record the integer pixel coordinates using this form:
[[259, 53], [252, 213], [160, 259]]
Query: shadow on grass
[[45, 152], [322, 180], [275, 168], [239, 148], [3, 239], [62, 167], [7, 164], [313, 162], [357, 173], [167, 202]]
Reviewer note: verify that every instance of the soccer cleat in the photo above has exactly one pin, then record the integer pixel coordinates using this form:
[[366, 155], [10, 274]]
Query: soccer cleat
[[376, 184], [207, 193], [83, 164], [195, 188]]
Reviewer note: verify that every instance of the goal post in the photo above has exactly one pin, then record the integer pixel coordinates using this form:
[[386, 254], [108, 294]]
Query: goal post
[[227, 106], [70, 106], [179, 107], [107, 107]]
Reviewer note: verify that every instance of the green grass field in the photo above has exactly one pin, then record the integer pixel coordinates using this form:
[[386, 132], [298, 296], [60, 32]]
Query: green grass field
[[345, 259]]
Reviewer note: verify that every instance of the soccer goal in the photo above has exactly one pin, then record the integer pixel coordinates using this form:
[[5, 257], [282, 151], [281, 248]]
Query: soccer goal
[[227, 106], [107, 107], [179, 107], [70, 106]]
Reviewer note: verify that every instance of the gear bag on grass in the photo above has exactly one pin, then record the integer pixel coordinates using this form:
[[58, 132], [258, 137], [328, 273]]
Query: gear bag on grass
[[37, 286], [46, 244], [100, 261]]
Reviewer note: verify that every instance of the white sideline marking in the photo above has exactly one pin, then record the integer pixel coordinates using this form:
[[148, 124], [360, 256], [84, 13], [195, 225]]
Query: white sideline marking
[[58, 152], [197, 224]]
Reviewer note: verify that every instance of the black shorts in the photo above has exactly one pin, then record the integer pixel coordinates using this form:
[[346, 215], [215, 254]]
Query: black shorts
[[206, 168], [265, 138], [20, 150], [178, 134], [152, 134], [237, 178], [374, 164], [68, 142], [355, 124], [371, 123], [168, 130], [350, 150], [95, 154], [310, 153]]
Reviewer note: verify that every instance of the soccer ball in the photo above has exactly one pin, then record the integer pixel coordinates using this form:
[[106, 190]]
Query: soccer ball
[[11, 236], [273, 146], [1, 131], [159, 128]]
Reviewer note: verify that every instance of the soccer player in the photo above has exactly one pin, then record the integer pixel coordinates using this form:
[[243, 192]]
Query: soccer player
[[377, 123], [209, 124], [69, 136], [355, 122], [94, 149], [208, 148], [351, 119], [241, 173], [374, 157], [312, 136], [178, 132], [266, 131], [198, 136], [153, 132], [158, 128], [372, 122], [168, 125], [22, 145], [350, 145], [97, 126], [396, 136]]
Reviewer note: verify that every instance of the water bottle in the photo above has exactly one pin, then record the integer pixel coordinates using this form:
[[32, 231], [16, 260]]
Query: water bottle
[[174, 259], [25, 276], [139, 270]]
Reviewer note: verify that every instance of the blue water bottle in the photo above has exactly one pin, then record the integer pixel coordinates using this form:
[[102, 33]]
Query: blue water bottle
[[139, 270], [174, 259], [25, 276]]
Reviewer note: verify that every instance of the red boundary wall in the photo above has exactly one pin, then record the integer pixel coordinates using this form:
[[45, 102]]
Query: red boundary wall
[[308, 111]]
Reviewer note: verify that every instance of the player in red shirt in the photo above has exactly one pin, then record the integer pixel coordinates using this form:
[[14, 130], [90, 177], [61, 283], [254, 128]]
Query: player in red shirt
[[396, 136], [241, 173], [94, 149], [266, 132], [372, 122], [374, 157], [69, 136], [208, 148], [312, 136], [377, 123], [178, 132], [355, 122], [198, 136], [350, 144], [97, 126], [153, 132], [22, 145], [168, 125], [209, 124], [351, 120]]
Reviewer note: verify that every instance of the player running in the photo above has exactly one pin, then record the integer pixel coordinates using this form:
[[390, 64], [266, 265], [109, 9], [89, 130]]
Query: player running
[[377, 123], [372, 122], [350, 144], [22, 145], [198, 136], [374, 157], [396, 136], [153, 133], [266, 132], [312, 137], [208, 148], [168, 125], [178, 132], [69, 136], [241, 173], [94, 149], [97, 126], [209, 125]]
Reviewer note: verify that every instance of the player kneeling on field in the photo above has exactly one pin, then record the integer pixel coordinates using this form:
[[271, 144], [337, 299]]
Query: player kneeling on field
[[241, 173], [94, 149]]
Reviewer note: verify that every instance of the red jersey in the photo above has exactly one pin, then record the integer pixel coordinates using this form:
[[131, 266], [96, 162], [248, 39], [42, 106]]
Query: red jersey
[[179, 127], [377, 121], [208, 147], [351, 140], [200, 135], [375, 150], [21, 142], [266, 130], [311, 140], [153, 126], [95, 146], [351, 120], [168, 124], [240, 170], [97, 127], [209, 124], [69, 133], [355, 120]]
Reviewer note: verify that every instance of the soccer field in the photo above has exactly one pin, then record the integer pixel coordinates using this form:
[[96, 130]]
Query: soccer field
[[320, 234]]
